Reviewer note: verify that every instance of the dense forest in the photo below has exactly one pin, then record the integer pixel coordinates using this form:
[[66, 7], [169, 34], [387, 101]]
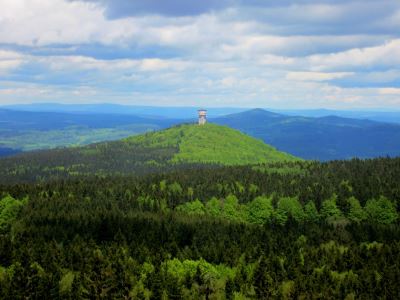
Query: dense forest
[[303, 230]]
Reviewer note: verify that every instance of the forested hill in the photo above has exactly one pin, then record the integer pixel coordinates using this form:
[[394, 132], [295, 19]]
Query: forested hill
[[180, 145]]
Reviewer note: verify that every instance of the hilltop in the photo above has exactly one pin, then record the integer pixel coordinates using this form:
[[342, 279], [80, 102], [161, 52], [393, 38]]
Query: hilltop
[[211, 143], [159, 150]]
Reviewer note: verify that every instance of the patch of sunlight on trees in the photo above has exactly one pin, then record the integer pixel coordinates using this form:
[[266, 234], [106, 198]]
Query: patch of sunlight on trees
[[261, 210], [211, 144], [9, 210], [381, 211]]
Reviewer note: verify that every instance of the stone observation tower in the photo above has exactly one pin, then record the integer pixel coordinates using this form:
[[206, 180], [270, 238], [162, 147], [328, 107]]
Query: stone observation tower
[[202, 116]]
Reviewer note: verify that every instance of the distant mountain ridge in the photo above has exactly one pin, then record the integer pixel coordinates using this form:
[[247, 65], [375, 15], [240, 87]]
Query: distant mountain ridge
[[373, 115], [324, 138], [42, 120], [169, 112], [185, 112], [328, 137]]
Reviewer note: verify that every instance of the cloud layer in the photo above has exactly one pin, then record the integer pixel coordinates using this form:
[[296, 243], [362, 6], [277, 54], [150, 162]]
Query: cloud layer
[[280, 54]]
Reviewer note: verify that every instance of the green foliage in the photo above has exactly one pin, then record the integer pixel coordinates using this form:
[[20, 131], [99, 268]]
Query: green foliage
[[290, 206], [310, 212], [263, 282], [293, 169], [372, 246], [214, 207], [157, 236], [163, 185], [280, 216], [332, 247], [260, 210], [185, 268], [9, 210], [257, 211], [329, 209], [381, 211], [253, 188], [356, 213], [212, 144], [231, 209], [66, 282], [287, 289], [175, 188], [176, 147], [195, 207]]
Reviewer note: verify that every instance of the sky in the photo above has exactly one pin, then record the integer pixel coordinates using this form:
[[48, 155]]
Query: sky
[[339, 54]]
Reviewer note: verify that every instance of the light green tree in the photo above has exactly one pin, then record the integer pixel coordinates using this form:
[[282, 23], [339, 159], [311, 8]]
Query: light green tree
[[291, 207], [356, 213], [190, 193], [195, 207], [213, 207], [280, 216], [329, 208], [259, 210], [175, 188], [163, 185], [66, 282], [231, 209], [253, 188], [310, 212], [9, 210], [381, 211]]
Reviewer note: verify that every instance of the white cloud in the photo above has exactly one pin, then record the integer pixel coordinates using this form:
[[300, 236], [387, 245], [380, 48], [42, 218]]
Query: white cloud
[[62, 63], [386, 55], [316, 76], [155, 64], [289, 58], [44, 22], [9, 60], [390, 91]]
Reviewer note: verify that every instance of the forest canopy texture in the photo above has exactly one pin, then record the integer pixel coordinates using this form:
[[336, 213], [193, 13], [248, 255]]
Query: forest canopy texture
[[280, 230]]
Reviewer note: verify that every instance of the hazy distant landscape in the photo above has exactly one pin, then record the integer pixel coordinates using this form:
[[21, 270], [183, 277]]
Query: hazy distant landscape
[[321, 138]]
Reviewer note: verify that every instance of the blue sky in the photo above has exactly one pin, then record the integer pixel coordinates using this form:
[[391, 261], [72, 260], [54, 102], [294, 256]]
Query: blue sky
[[243, 53]]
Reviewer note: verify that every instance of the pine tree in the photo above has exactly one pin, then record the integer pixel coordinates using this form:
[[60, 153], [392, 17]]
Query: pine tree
[[262, 280]]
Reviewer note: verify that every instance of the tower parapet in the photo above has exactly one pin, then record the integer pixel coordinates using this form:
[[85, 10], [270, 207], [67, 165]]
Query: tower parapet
[[202, 116]]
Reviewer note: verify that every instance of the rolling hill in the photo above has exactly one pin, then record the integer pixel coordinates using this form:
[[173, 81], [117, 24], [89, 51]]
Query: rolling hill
[[187, 144], [325, 138]]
